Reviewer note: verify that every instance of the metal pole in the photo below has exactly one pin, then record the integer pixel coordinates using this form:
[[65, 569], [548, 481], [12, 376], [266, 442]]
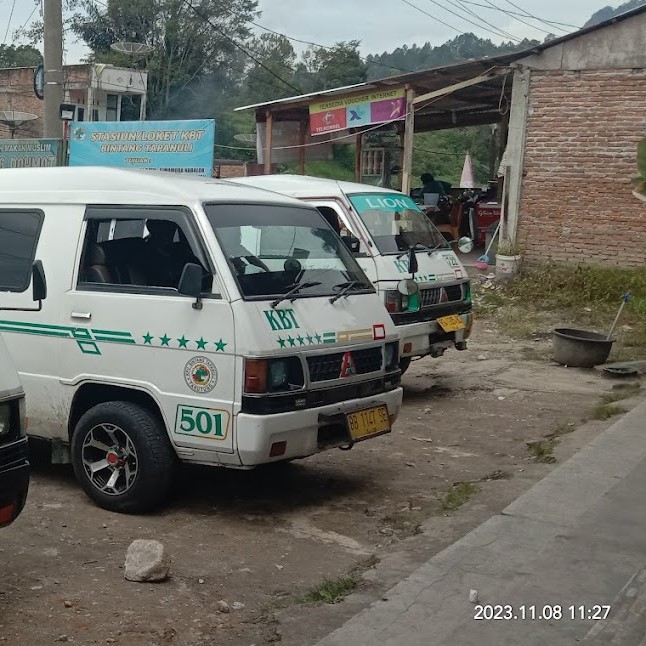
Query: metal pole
[[301, 150], [53, 39], [269, 134], [409, 132]]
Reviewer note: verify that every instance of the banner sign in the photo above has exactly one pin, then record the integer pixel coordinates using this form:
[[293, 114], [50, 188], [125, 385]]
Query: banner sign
[[174, 146], [358, 110], [29, 153]]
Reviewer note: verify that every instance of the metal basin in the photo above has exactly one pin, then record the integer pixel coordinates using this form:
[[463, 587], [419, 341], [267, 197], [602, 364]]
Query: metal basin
[[579, 348]]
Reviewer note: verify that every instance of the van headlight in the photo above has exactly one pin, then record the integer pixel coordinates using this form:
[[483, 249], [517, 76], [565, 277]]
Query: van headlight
[[5, 418], [391, 356], [278, 374]]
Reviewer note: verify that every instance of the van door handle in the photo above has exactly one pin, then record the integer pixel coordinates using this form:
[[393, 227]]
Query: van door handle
[[81, 315]]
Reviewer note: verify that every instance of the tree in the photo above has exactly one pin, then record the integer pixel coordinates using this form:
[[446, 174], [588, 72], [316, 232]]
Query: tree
[[191, 40], [273, 78], [335, 66], [19, 56]]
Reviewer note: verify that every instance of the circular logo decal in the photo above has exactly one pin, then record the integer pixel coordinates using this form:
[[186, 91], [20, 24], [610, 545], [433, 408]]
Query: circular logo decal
[[79, 133], [201, 375]]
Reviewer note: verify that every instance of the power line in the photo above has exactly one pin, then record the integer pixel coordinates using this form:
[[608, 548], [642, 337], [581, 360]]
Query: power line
[[426, 13], [6, 33], [498, 32], [33, 11], [206, 19], [516, 14], [529, 24], [509, 2]]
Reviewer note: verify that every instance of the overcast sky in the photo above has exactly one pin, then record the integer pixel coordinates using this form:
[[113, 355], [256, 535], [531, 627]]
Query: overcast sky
[[380, 25]]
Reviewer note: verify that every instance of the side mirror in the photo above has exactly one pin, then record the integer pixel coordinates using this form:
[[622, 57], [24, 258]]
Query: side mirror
[[190, 284], [465, 244], [39, 282], [351, 243]]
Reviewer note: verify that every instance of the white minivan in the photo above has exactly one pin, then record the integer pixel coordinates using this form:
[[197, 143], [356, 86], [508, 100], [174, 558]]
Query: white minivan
[[194, 320], [394, 240]]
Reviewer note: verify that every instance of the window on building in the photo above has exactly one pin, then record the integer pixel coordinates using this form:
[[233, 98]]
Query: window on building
[[80, 114], [19, 231], [112, 107]]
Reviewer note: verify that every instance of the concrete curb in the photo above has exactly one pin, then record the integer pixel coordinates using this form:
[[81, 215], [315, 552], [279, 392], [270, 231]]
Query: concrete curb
[[521, 555]]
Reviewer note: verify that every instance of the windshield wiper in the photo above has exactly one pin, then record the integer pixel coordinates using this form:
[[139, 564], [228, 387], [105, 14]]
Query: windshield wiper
[[345, 289], [419, 245], [295, 288]]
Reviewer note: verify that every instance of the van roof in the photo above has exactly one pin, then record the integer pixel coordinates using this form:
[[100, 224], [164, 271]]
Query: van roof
[[305, 186], [101, 185]]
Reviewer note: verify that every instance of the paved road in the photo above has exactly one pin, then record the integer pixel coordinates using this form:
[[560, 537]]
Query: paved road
[[577, 538]]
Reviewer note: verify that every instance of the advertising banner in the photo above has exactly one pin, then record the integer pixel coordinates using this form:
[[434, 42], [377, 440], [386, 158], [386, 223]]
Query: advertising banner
[[174, 146], [366, 109], [29, 153]]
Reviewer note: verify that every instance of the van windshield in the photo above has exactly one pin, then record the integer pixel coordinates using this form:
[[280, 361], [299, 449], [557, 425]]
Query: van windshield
[[273, 249], [395, 222]]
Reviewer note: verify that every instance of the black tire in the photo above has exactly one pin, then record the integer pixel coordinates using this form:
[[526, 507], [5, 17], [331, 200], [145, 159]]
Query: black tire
[[404, 364], [154, 457]]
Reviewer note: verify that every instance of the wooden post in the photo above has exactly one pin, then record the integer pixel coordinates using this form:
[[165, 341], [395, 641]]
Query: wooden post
[[301, 150], [269, 136], [357, 157], [400, 179], [409, 132]]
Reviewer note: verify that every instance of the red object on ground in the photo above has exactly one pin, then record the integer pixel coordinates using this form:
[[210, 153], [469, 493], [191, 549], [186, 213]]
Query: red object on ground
[[486, 215]]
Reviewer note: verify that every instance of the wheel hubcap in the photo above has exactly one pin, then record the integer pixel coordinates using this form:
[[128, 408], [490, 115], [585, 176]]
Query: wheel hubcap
[[110, 459]]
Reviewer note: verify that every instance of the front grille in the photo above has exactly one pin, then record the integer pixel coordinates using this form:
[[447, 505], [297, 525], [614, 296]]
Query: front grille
[[437, 295], [328, 366]]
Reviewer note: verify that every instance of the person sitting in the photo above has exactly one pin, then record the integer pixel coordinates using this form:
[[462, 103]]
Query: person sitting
[[431, 185]]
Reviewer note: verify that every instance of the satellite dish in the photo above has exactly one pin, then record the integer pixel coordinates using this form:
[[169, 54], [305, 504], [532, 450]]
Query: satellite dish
[[246, 139], [132, 49], [14, 119]]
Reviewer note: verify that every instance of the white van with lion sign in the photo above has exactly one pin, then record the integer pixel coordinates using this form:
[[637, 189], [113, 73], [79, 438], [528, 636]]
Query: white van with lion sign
[[416, 271], [191, 320]]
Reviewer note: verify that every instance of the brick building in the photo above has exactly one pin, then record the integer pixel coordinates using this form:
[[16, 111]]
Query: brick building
[[99, 92], [578, 111]]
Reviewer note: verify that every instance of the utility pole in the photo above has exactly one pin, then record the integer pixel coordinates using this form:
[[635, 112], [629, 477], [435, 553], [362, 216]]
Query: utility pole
[[53, 37]]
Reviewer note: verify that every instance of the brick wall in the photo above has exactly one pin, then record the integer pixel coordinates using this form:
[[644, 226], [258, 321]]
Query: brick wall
[[576, 201], [17, 93]]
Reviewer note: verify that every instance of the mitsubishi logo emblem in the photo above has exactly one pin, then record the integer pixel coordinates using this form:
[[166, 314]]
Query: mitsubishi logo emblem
[[347, 366]]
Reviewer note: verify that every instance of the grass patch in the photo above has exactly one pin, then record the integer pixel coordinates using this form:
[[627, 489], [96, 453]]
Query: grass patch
[[630, 390], [561, 429], [570, 296], [606, 411], [543, 450], [458, 495], [332, 590]]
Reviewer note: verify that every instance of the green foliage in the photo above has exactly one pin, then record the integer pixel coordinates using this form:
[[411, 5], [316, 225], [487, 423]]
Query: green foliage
[[270, 80], [442, 153], [415, 57], [188, 45], [19, 56], [458, 495], [333, 67], [332, 590], [640, 190]]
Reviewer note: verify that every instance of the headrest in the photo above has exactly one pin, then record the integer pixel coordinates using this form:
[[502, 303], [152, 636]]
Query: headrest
[[96, 255]]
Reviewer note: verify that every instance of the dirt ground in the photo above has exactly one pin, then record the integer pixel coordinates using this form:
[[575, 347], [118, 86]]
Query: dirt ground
[[267, 538]]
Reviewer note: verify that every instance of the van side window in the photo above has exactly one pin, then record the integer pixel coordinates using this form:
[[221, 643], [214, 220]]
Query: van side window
[[19, 232], [145, 252]]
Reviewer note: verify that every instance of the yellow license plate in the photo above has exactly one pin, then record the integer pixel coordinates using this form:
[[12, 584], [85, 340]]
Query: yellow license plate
[[368, 422], [451, 323]]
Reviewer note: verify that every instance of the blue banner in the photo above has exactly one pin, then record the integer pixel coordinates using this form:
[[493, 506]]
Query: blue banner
[[175, 146], [29, 153]]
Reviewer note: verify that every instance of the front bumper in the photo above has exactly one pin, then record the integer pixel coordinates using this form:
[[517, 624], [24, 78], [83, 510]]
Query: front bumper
[[303, 431], [14, 480], [420, 339]]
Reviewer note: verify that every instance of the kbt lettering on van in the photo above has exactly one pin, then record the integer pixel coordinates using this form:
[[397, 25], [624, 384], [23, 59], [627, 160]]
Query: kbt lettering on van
[[284, 319]]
